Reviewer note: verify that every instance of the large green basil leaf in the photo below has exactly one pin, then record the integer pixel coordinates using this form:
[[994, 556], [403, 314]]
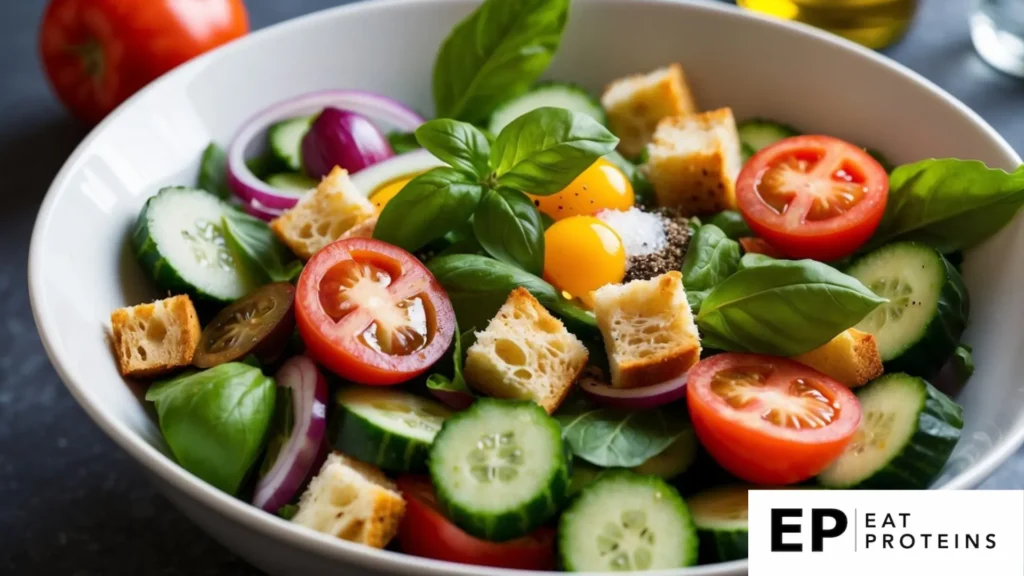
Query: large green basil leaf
[[477, 286], [461, 145], [213, 171], [253, 241], [948, 204], [544, 150], [783, 307], [732, 224], [216, 421], [509, 227], [427, 208], [496, 54], [711, 258], [615, 438]]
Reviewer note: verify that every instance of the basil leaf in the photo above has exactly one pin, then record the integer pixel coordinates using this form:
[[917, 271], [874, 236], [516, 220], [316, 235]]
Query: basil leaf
[[509, 227], [711, 258], [477, 286], [948, 204], [215, 421], [281, 424], [458, 144], [402, 142], [614, 438], [456, 383], [753, 260], [288, 511], [427, 208], [783, 307], [963, 363], [732, 223], [255, 244], [496, 54], [213, 171], [544, 150]]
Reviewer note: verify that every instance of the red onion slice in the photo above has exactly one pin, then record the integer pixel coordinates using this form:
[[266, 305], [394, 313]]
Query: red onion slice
[[249, 188], [634, 398], [453, 399], [301, 378]]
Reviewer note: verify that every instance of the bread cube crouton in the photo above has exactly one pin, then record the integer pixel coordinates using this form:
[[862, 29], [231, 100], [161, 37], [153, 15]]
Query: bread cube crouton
[[694, 160], [851, 358], [323, 215], [648, 330], [352, 501], [362, 230], [525, 353], [155, 338], [635, 105]]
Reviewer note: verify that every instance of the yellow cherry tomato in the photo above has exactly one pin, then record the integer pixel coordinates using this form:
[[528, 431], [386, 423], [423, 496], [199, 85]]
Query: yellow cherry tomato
[[581, 254], [385, 193], [601, 187]]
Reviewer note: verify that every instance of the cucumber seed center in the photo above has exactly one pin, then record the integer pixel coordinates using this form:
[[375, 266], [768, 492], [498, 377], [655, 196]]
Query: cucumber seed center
[[496, 457], [898, 294], [208, 245], [874, 431], [626, 543]]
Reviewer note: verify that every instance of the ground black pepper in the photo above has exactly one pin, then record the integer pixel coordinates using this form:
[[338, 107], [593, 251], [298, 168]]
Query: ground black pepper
[[677, 239]]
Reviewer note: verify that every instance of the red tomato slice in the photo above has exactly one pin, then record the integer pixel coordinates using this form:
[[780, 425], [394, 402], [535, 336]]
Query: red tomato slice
[[770, 420], [813, 196], [371, 312], [754, 245], [425, 532]]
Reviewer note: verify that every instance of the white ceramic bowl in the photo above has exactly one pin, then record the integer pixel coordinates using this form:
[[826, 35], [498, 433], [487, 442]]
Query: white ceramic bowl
[[80, 268]]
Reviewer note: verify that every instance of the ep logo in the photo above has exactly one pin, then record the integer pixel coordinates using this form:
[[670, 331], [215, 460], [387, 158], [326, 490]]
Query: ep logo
[[824, 523]]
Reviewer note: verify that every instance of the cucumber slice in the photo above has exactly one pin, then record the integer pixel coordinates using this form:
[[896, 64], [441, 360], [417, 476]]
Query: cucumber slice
[[390, 429], [627, 522], [906, 434], [500, 468], [720, 515], [179, 241], [920, 326], [674, 460], [556, 94], [759, 133], [291, 182], [285, 139]]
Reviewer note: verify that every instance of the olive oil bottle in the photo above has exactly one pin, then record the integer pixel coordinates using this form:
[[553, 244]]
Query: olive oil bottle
[[873, 23]]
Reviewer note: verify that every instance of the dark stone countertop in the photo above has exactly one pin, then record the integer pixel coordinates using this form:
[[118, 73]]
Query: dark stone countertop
[[71, 502]]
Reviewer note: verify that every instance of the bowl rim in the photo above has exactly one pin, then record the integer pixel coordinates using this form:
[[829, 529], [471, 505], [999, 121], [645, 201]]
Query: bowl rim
[[272, 526]]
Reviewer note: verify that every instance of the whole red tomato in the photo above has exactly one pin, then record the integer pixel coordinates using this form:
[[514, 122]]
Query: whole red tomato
[[97, 53]]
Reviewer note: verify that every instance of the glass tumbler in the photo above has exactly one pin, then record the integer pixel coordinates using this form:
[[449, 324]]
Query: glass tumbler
[[997, 30]]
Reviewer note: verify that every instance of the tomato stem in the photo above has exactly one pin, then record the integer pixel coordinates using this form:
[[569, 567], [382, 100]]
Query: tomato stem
[[91, 54]]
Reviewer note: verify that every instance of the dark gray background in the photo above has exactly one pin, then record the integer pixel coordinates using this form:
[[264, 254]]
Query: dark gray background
[[71, 503]]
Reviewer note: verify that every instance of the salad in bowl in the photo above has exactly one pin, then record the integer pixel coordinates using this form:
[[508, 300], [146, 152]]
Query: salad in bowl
[[549, 329]]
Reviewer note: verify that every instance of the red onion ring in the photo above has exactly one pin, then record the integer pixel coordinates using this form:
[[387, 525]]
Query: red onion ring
[[308, 388], [249, 188], [634, 398]]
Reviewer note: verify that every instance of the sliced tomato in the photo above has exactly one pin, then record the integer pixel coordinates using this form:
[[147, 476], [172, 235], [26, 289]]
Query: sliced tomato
[[770, 420], [813, 196], [754, 245], [371, 312], [425, 532]]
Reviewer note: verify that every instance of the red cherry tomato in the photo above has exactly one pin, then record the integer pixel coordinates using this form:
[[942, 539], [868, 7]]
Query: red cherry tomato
[[813, 196], [97, 53], [754, 245], [425, 532], [371, 312], [770, 420]]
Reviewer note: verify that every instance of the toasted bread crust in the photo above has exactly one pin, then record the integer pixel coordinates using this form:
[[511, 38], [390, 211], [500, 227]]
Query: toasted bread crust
[[851, 358], [648, 330], [525, 353], [155, 338]]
